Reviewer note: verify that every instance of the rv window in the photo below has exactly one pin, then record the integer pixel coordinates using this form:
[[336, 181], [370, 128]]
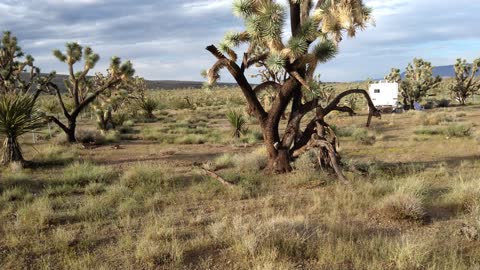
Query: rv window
[[376, 91]]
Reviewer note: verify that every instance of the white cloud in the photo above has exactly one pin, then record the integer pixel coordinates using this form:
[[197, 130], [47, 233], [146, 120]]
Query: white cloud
[[202, 7]]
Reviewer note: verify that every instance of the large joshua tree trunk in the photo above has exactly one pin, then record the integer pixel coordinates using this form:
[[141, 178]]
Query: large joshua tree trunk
[[11, 151]]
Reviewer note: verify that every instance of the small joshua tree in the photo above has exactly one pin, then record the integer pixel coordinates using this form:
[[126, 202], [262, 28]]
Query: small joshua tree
[[466, 83], [19, 75], [140, 98], [108, 105], [18, 115], [316, 29], [417, 82], [82, 89]]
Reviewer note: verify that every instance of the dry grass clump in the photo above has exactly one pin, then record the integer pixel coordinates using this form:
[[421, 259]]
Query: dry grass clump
[[407, 201], [224, 161], [16, 193], [55, 154], [35, 215], [159, 245], [464, 196], [403, 206], [148, 176], [433, 119], [251, 162], [86, 172]]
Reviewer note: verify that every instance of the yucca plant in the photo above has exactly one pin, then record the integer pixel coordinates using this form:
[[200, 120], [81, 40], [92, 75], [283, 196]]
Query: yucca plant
[[237, 122], [18, 115], [148, 106]]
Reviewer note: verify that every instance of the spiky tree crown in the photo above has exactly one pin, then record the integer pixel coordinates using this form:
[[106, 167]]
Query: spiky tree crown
[[13, 63], [394, 76], [322, 25]]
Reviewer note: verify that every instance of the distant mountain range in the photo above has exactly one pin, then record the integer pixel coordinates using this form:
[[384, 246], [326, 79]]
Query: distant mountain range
[[442, 71], [152, 84]]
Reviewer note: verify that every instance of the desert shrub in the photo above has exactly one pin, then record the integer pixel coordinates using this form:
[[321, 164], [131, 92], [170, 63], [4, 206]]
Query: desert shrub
[[427, 131], [119, 118], [343, 131], [191, 139], [177, 103], [458, 130], [443, 103], [364, 136], [224, 161], [252, 137], [306, 162], [129, 123], [89, 136], [112, 136]]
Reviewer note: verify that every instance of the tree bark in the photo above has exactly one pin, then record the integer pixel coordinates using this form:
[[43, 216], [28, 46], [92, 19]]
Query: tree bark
[[11, 151], [72, 125], [279, 161]]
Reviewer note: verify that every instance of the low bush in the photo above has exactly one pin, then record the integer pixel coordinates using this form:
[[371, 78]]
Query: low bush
[[364, 136]]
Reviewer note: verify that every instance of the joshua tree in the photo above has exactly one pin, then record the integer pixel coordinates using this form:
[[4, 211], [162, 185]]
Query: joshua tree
[[417, 82], [18, 115], [82, 89], [465, 84], [141, 100], [316, 29], [108, 106], [16, 75]]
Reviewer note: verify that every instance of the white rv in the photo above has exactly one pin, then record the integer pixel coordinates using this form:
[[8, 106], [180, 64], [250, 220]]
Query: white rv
[[384, 94]]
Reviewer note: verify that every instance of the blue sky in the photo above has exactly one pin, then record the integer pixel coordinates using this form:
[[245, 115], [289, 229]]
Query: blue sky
[[165, 39]]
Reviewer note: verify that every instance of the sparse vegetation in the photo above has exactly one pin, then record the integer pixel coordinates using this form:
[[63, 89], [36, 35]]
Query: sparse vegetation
[[162, 185]]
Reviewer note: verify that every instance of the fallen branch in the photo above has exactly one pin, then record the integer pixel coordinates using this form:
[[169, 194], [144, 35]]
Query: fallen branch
[[217, 177]]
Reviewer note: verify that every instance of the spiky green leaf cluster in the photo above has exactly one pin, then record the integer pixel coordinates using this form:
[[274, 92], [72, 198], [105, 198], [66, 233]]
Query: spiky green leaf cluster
[[394, 76], [18, 115], [243, 8], [265, 22], [325, 51], [298, 46], [275, 62]]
